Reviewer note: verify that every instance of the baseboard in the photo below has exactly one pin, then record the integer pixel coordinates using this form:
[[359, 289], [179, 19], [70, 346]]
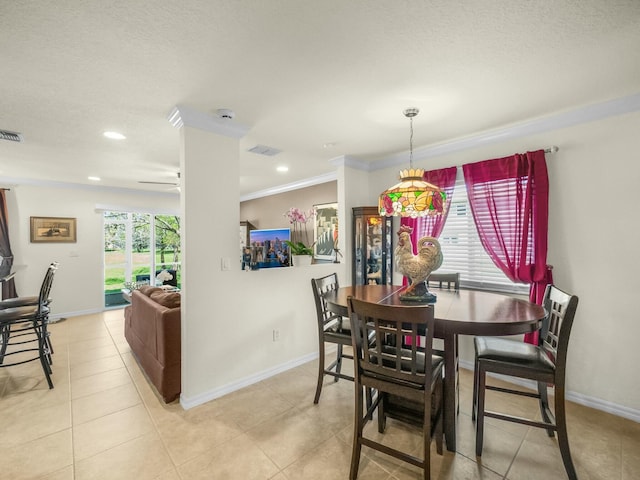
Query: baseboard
[[190, 402], [579, 398], [53, 318]]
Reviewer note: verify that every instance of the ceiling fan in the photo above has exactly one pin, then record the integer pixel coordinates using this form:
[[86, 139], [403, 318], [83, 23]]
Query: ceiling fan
[[176, 183]]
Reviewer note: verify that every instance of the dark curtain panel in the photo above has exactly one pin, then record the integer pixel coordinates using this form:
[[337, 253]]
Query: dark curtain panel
[[9, 287]]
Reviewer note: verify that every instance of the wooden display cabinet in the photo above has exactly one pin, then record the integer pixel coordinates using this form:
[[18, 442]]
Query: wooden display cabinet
[[372, 247]]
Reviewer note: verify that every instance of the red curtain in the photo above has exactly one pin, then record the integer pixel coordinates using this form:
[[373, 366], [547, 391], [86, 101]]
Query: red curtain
[[509, 200], [432, 226]]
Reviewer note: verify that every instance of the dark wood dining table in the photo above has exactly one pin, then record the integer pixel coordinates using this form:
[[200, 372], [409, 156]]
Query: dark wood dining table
[[463, 312]]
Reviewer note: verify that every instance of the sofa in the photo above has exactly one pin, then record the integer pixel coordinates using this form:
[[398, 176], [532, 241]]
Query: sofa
[[152, 329]]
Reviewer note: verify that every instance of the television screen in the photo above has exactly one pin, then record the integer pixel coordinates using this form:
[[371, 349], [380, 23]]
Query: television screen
[[268, 249]]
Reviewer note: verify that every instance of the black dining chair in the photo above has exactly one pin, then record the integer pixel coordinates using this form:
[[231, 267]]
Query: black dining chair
[[408, 379], [544, 363], [333, 329], [31, 300], [23, 331], [444, 280]]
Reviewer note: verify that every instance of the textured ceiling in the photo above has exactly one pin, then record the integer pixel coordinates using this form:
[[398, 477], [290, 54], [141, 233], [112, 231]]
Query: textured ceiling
[[299, 73]]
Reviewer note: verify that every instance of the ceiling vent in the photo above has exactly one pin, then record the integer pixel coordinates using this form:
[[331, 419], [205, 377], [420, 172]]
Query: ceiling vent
[[11, 136], [264, 150]]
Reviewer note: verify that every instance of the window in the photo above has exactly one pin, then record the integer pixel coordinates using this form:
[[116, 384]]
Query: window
[[135, 245], [463, 251]]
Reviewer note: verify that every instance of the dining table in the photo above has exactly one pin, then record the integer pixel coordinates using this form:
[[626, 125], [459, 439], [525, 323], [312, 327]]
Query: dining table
[[456, 312]]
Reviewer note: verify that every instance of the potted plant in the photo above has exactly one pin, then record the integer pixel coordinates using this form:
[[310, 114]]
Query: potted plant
[[299, 246]]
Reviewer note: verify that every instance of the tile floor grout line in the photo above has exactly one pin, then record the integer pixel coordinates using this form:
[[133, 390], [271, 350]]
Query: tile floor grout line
[[513, 459]]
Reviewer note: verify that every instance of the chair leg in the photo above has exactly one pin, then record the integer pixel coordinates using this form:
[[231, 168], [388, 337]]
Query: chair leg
[[475, 390], [43, 355], [358, 425], [563, 439], [544, 407], [320, 373], [480, 408], [426, 446], [338, 362], [382, 419], [4, 338], [439, 430]]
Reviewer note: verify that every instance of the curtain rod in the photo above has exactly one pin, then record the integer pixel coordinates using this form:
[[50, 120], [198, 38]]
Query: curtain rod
[[7, 189], [552, 149]]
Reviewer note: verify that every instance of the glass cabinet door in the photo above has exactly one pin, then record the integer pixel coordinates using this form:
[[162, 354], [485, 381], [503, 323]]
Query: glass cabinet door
[[372, 257]]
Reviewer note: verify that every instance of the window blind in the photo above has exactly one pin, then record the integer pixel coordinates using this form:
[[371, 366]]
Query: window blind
[[463, 252]]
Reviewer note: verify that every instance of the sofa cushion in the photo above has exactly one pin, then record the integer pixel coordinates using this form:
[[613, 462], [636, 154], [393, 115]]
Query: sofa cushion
[[149, 289], [169, 300]]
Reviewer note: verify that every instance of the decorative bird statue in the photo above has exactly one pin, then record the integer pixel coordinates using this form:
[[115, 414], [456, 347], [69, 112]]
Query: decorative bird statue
[[417, 268]]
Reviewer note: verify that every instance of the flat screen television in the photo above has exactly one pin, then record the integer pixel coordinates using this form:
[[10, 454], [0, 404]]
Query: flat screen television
[[268, 247]]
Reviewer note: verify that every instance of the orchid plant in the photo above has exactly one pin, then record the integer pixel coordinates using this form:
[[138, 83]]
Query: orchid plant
[[299, 243]]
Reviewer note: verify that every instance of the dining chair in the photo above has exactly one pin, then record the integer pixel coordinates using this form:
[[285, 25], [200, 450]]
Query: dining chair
[[544, 363], [23, 331], [332, 329], [447, 279], [24, 301], [32, 300], [408, 379]]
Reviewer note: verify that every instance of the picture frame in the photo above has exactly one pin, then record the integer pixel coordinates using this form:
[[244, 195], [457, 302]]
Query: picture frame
[[53, 230], [325, 231]]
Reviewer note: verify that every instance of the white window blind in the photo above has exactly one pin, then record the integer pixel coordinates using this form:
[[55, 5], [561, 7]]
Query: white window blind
[[464, 253]]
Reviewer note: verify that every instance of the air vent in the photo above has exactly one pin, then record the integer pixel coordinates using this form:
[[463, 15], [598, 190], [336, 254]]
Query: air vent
[[264, 150], [11, 136]]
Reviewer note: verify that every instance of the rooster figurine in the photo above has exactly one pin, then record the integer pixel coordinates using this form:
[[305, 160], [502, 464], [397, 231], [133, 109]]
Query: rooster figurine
[[417, 268]]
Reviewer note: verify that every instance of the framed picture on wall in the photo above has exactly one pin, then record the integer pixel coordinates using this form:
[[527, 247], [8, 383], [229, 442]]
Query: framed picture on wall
[[325, 231], [53, 230]]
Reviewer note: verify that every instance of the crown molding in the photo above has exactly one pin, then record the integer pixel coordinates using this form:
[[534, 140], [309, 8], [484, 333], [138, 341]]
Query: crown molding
[[588, 113], [352, 162], [307, 182]]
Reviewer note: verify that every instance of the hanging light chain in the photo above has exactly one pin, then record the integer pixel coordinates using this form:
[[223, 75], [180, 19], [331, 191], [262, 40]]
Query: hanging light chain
[[410, 113], [411, 143]]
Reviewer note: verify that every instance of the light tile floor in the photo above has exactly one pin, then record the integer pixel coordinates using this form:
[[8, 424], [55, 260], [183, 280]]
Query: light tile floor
[[104, 421]]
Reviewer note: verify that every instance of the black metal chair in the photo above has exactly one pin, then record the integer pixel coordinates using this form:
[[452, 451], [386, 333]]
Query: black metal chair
[[408, 379], [28, 301], [332, 328], [544, 363], [23, 331]]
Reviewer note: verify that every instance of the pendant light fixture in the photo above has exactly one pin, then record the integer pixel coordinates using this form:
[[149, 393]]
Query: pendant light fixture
[[412, 197]]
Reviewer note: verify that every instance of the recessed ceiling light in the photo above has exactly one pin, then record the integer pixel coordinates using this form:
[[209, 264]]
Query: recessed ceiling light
[[114, 135], [282, 168], [329, 145], [94, 179]]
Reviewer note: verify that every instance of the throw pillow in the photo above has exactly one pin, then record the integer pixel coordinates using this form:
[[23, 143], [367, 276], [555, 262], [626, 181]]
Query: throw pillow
[[169, 300], [149, 289]]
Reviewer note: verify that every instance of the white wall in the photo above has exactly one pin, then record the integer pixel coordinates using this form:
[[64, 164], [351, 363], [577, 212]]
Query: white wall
[[593, 246], [78, 286]]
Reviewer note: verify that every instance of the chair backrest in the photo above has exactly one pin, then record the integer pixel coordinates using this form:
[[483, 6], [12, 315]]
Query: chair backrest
[[449, 279], [386, 342], [45, 288], [320, 287], [560, 308]]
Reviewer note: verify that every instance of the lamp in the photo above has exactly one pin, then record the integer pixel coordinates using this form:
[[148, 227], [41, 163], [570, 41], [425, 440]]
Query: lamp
[[412, 197]]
